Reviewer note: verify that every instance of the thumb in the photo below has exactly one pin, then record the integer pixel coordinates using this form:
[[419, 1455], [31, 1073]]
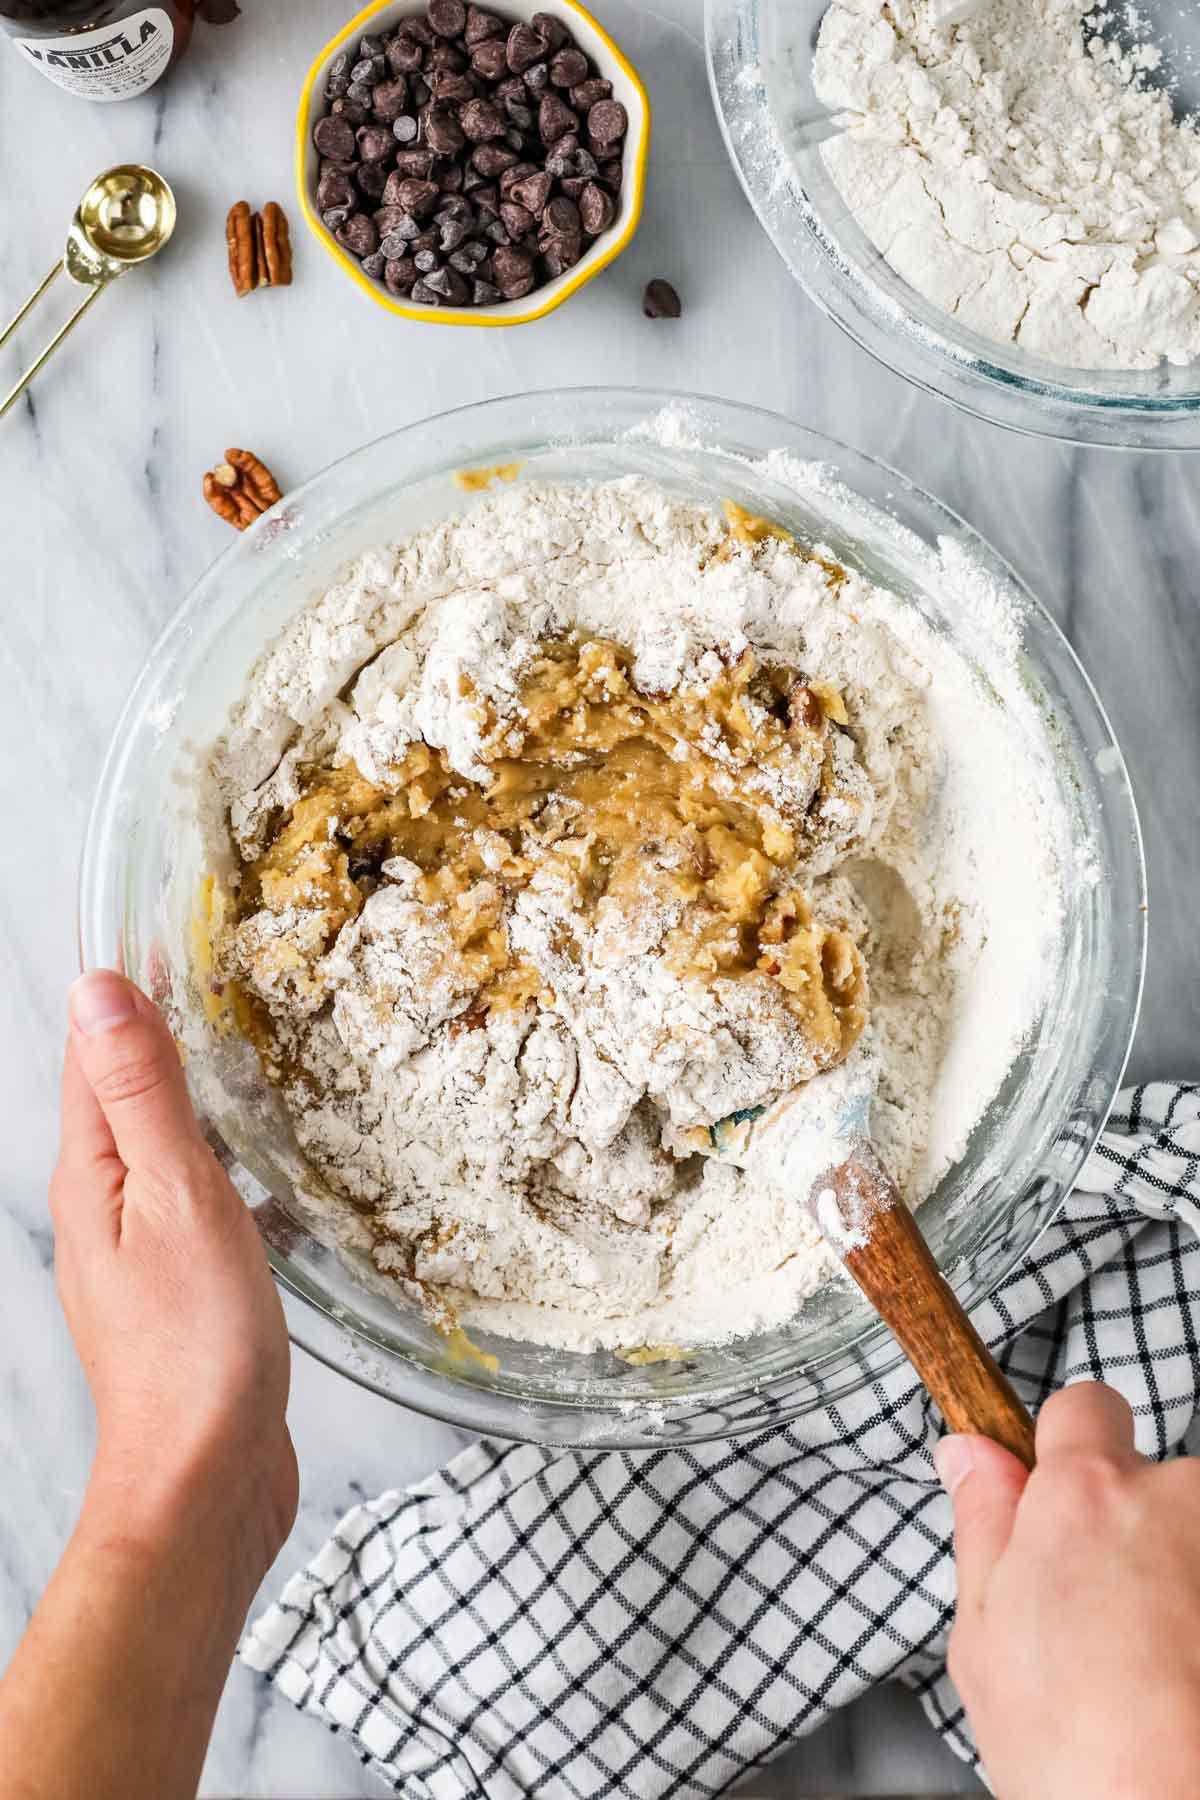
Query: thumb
[[985, 1484], [129, 1060]]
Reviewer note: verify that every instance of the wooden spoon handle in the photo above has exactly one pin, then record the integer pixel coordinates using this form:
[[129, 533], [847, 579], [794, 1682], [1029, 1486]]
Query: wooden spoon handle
[[895, 1269]]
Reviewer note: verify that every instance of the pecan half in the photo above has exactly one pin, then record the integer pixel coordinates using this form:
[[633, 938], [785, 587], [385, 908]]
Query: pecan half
[[240, 488], [240, 239], [276, 246]]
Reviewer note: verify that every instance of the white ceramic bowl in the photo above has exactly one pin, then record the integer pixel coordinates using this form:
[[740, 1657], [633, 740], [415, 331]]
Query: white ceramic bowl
[[382, 16]]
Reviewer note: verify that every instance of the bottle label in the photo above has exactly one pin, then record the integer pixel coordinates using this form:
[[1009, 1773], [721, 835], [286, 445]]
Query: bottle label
[[113, 63]]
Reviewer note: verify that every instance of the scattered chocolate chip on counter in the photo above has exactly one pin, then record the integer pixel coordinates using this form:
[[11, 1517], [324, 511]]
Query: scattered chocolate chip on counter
[[660, 301], [240, 488], [467, 159]]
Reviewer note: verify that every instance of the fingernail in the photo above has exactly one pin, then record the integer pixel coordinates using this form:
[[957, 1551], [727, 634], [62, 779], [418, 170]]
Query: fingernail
[[100, 1000], [953, 1458]]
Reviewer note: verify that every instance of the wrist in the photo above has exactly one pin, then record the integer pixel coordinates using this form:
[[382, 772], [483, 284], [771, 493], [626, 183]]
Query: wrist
[[198, 1504]]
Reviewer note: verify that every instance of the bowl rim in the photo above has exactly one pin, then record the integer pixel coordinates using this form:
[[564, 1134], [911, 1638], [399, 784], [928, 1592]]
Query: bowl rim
[[312, 1325], [1035, 404], [597, 258]]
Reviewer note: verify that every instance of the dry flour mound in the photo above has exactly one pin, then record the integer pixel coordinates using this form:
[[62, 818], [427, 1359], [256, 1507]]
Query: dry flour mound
[[626, 1160], [1017, 171]]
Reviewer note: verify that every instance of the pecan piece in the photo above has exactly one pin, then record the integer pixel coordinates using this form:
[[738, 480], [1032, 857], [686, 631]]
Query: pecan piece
[[240, 238], [276, 245], [240, 488]]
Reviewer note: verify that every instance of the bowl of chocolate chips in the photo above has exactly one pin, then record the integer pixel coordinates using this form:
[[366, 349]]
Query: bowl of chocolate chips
[[472, 165]]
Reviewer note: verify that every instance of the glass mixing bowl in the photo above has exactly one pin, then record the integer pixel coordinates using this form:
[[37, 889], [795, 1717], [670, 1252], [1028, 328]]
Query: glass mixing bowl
[[144, 860], [760, 70]]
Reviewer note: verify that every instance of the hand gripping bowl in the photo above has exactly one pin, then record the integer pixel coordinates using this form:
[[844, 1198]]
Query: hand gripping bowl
[[142, 868], [760, 71]]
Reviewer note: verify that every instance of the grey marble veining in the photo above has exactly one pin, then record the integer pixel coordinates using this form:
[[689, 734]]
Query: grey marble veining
[[102, 531]]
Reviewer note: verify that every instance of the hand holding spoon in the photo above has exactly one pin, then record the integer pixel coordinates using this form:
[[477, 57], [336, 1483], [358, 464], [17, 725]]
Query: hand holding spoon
[[126, 217]]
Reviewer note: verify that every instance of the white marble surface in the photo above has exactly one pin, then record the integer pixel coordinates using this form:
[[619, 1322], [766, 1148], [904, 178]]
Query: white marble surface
[[102, 530]]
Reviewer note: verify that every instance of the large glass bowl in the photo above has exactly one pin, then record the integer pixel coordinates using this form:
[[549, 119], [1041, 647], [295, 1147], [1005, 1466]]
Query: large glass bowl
[[760, 71], [144, 859]]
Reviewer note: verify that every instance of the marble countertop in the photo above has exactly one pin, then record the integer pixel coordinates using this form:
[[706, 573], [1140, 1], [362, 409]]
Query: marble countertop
[[102, 531]]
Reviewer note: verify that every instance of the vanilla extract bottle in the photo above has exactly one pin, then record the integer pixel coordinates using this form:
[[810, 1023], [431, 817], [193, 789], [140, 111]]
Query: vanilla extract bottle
[[99, 49]]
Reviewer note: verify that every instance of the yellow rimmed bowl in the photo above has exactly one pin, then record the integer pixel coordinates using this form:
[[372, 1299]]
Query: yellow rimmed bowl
[[383, 16]]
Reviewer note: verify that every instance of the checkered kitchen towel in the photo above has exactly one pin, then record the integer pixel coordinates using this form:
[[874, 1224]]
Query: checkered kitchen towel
[[532, 1622]]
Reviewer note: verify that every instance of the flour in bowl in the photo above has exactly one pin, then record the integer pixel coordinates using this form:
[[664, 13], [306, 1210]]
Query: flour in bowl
[[1020, 170], [592, 857]]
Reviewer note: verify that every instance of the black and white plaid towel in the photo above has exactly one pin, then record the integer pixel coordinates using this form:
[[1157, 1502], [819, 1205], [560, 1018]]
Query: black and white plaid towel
[[530, 1622]]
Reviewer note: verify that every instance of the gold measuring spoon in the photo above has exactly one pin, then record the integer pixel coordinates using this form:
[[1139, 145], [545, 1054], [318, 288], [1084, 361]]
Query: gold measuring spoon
[[125, 217]]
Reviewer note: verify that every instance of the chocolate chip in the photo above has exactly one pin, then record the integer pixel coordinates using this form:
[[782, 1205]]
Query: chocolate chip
[[334, 217], [517, 222], [449, 284], [532, 191], [415, 164], [482, 25], [492, 159], [597, 209], [484, 294], [417, 197], [424, 293], [607, 122], [405, 129], [403, 54], [454, 206], [338, 78], [446, 17], [471, 180], [514, 272], [537, 79], [428, 240], [569, 68], [427, 260], [399, 274], [374, 265], [552, 28], [351, 111], [611, 175], [561, 218], [396, 242], [519, 115], [388, 218], [419, 29], [359, 92], [454, 233], [561, 256], [420, 92], [573, 185], [369, 71], [390, 100], [486, 199], [497, 233], [525, 47], [481, 121], [468, 258], [660, 301], [335, 188], [375, 143], [450, 178], [452, 90], [585, 163], [372, 178], [555, 119], [489, 59], [443, 132], [334, 137], [588, 92], [517, 172], [515, 140], [358, 235], [369, 46]]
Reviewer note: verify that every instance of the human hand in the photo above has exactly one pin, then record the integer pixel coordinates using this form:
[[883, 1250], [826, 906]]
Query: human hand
[[1076, 1646], [167, 1293]]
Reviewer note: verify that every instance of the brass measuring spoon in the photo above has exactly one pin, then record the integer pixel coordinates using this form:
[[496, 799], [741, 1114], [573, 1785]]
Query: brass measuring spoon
[[125, 217]]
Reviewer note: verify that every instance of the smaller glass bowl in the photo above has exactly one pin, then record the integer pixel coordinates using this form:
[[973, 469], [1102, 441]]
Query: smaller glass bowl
[[384, 16], [760, 71], [145, 861]]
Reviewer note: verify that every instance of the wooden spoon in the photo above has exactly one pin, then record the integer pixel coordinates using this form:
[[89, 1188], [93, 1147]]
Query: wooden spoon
[[864, 1220]]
